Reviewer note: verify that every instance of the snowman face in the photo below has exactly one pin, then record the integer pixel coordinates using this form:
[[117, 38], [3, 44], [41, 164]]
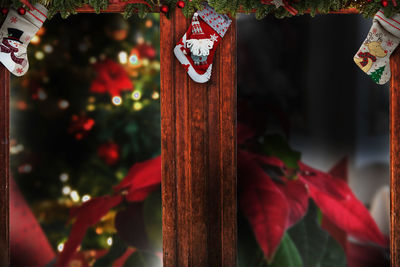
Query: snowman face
[[13, 43]]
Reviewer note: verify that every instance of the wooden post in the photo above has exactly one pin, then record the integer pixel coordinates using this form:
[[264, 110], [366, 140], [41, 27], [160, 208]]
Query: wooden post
[[4, 165], [395, 159], [198, 124]]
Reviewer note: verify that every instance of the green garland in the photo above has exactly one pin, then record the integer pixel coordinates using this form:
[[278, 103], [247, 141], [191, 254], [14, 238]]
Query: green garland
[[368, 8]]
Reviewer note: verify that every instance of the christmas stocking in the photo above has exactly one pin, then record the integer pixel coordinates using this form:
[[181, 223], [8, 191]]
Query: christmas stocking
[[195, 51], [15, 35], [373, 56]]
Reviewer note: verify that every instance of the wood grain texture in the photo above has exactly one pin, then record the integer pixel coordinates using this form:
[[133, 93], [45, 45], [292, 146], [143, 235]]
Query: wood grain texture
[[395, 159], [198, 123], [4, 166]]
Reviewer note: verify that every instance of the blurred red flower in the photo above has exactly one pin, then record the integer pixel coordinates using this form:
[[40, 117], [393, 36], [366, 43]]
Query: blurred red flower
[[109, 152], [111, 78]]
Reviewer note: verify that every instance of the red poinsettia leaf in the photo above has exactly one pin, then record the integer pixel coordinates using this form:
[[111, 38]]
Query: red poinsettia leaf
[[323, 182], [342, 208], [142, 178], [263, 204], [297, 197], [140, 194], [86, 215]]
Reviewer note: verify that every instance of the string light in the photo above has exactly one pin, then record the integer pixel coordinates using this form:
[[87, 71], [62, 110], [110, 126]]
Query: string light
[[133, 59], [155, 95], [74, 196], [48, 49], [39, 55], [136, 95], [66, 190], [109, 241], [60, 247], [41, 94], [64, 177], [90, 107], [123, 57], [92, 60], [117, 100], [85, 198], [63, 104], [149, 23], [25, 168], [35, 40], [137, 106], [16, 149]]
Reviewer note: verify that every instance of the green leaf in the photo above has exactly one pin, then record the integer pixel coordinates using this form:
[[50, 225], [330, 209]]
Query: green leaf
[[117, 249], [276, 145], [287, 254], [141, 259], [317, 248], [153, 219]]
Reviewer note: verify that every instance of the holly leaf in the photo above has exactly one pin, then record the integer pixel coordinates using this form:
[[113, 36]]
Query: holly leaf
[[316, 247], [287, 254], [263, 204], [141, 180], [141, 258], [339, 204], [276, 145]]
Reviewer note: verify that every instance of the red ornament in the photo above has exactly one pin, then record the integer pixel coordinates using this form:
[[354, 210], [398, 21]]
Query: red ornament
[[109, 152], [384, 3], [4, 11], [21, 11], [164, 9], [180, 4]]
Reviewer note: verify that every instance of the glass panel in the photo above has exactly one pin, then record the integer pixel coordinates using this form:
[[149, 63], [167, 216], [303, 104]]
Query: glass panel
[[87, 110], [301, 97]]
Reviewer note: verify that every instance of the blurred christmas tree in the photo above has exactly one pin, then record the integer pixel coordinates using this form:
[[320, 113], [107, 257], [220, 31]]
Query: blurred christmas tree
[[86, 111]]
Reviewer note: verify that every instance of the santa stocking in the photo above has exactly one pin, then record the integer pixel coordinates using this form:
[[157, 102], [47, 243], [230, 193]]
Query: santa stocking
[[15, 35], [195, 51], [383, 38]]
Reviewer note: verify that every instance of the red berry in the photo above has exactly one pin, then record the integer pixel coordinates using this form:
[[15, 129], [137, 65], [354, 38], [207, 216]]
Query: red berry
[[4, 11], [384, 3], [21, 11], [164, 9], [180, 4]]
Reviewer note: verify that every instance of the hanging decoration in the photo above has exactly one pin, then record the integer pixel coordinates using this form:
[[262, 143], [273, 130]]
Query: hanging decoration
[[195, 51], [374, 55], [16, 32]]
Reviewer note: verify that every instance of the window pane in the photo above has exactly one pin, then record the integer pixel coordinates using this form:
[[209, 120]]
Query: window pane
[[87, 110]]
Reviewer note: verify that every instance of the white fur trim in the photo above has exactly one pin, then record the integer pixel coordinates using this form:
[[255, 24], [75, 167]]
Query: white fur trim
[[199, 78]]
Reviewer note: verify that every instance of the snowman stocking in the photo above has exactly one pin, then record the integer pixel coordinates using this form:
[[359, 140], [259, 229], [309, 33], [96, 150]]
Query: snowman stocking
[[383, 38], [15, 35], [195, 51]]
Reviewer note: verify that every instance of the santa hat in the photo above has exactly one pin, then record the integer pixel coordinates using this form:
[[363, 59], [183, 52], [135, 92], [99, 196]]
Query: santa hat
[[196, 28]]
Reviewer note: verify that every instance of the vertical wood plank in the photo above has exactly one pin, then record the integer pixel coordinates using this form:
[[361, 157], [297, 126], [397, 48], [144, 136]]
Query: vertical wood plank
[[395, 159], [4, 166], [198, 123]]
